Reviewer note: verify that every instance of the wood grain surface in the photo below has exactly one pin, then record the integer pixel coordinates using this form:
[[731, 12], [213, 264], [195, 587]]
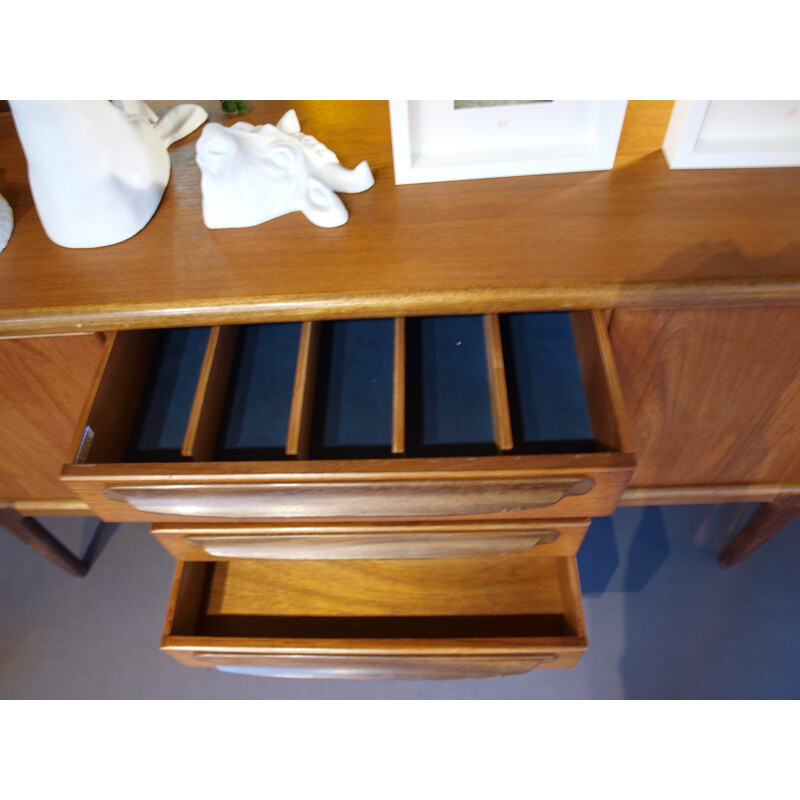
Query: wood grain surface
[[521, 584], [639, 234], [713, 395], [44, 385]]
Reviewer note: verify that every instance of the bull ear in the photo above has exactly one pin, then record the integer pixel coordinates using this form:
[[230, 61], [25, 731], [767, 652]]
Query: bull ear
[[321, 206], [289, 123]]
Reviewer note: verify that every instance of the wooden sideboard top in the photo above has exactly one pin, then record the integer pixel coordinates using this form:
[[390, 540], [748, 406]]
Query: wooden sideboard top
[[639, 235]]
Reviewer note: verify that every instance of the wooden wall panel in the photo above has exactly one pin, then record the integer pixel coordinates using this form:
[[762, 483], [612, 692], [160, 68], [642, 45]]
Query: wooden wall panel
[[43, 385], [713, 395]]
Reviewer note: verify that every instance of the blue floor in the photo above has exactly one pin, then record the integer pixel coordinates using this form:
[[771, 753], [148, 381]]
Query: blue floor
[[664, 621]]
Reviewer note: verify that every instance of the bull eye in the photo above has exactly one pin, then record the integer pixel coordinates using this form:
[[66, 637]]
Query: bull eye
[[218, 146], [279, 159], [283, 157]]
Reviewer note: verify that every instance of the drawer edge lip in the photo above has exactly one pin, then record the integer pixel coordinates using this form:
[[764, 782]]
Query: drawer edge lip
[[376, 647], [480, 467], [323, 527]]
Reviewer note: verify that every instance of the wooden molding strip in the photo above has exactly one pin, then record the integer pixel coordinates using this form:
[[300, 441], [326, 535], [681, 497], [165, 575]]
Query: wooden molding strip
[[56, 507], [551, 296], [690, 495]]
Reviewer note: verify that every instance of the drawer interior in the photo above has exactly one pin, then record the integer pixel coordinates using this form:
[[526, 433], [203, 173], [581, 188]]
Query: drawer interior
[[501, 598], [168, 392], [547, 401], [258, 395], [352, 415], [354, 389]]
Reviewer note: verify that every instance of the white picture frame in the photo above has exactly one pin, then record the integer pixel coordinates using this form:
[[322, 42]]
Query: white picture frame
[[723, 134], [434, 140]]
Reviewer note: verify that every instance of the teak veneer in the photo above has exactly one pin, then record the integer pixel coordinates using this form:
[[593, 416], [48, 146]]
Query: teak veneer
[[638, 235], [396, 556]]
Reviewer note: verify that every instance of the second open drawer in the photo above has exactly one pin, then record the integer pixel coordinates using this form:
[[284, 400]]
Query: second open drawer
[[455, 618], [481, 418]]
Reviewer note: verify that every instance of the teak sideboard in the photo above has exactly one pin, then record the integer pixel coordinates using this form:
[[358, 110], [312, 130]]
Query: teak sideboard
[[375, 450]]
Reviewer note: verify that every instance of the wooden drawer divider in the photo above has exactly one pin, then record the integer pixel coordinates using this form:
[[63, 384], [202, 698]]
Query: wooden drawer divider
[[498, 389], [298, 438], [209, 399], [399, 389]]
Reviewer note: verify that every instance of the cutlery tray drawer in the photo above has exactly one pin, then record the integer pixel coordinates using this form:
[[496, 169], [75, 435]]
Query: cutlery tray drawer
[[480, 417], [434, 618]]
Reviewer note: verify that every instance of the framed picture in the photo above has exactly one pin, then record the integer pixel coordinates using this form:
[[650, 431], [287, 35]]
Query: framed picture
[[450, 140], [716, 134]]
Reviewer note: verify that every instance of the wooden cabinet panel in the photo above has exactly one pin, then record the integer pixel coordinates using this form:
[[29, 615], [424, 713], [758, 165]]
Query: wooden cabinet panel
[[713, 395], [43, 385]]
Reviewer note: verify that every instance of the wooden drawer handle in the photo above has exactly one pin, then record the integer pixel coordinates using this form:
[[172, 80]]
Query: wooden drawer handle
[[369, 546], [330, 499], [421, 667]]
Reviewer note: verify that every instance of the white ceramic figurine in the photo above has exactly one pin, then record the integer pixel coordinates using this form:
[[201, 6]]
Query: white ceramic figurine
[[97, 172], [6, 222], [253, 174]]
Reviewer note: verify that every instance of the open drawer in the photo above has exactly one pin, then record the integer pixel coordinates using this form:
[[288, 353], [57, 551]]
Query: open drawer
[[465, 618], [486, 418], [357, 541]]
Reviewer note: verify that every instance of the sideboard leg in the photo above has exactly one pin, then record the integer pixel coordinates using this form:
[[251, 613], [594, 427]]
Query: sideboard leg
[[768, 520], [28, 530]]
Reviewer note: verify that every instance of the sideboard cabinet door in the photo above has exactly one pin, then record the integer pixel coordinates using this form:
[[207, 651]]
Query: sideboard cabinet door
[[713, 395], [43, 385]]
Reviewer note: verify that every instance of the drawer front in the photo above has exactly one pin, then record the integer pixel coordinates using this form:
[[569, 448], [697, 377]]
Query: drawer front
[[332, 423], [369, 541], [420, 667], [473, 617], [500, 488]]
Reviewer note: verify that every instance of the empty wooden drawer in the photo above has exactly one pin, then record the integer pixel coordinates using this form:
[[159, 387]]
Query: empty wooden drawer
[[464, 618], [491, 418], [383, 540]]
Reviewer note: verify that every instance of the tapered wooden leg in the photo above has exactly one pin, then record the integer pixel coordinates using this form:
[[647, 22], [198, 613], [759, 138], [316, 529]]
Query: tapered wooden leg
[[768, 520], [28, 530]]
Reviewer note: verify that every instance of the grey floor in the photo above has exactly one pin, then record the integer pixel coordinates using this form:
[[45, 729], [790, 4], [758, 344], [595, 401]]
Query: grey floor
[[664, 621]]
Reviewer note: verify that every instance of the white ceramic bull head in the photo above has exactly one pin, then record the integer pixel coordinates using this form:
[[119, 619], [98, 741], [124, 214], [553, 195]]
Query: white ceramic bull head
[[253, 174], [97, 172]]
